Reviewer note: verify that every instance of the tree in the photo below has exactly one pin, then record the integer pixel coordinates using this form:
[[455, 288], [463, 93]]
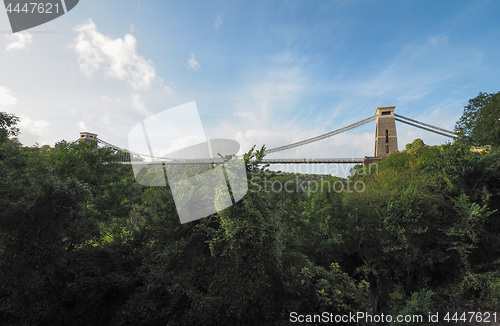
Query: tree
[[415, 146], [8, 126], [480, 122]]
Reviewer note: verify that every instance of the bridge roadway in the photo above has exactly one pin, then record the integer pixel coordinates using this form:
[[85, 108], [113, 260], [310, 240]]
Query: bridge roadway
[[264, 161]]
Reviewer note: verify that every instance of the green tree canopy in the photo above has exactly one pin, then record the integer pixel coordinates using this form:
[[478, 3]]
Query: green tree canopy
[[480, 122], [8, 126]]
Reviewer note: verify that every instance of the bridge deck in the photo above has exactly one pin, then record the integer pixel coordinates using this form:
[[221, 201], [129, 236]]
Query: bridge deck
[[264, 161]]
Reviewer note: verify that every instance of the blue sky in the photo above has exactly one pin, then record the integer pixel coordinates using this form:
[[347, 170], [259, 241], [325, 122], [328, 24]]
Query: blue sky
[[261, 72]]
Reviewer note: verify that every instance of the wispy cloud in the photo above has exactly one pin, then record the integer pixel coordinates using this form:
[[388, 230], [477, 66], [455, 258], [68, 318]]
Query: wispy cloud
[[263, 109], [19, 41], [32, 128], [218, 21], [168, 90], [193, 63], [82, 126], [118, 57], [410, 74], [441, 40], [7, 97], [138, 105], [36, 127], [278, 90]]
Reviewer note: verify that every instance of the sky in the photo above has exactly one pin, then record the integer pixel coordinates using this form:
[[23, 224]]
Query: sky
[[261, 72]]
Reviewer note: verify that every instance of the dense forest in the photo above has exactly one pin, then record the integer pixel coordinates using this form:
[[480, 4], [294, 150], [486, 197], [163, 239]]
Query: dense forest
[[81, 243]]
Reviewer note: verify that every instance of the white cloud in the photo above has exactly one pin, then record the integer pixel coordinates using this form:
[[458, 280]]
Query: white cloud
[[82, 126], [411, 95], [218, 21], [36, 127], [117, 56], [439, 40], [193, 64], [262, 112], [138, 105], [168, 90], [26, 124], [279, 91], [19, 41], [106, 119], [7, 98]]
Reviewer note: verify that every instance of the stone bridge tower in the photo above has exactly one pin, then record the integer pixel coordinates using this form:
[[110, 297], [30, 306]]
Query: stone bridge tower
[[87, 136], [386, 138]]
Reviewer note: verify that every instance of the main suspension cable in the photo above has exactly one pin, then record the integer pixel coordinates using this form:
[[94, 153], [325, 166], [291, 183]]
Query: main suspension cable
[[323, 136], [425, 128], [425, 124]]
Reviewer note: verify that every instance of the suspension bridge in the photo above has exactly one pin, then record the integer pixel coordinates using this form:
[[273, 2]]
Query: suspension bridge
[[385, 144]]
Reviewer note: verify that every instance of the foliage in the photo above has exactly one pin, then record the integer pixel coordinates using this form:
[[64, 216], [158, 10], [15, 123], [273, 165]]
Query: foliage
[[8, 126], [81, 243], [480, 122], [420, 304]]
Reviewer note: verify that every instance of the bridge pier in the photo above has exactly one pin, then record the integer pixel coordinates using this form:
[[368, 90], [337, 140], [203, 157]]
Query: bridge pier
[[386, 137], [87, 136]]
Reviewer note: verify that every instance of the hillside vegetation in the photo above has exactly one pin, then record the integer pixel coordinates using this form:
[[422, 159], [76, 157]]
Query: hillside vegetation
[[81, 243]]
